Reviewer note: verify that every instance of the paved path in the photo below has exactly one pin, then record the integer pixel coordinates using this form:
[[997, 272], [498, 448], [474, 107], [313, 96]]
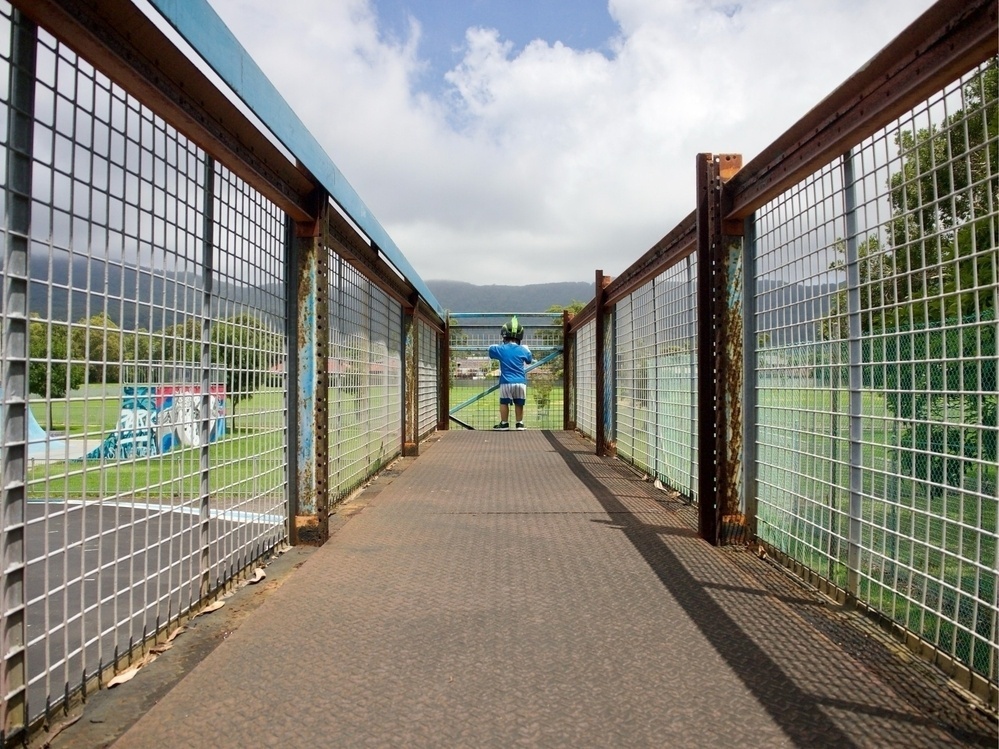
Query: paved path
[[512, 589]]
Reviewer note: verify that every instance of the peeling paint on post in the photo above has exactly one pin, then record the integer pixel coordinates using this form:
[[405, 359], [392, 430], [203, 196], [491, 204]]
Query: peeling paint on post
[[411, 401], [732, 365], [732, 376], [311, 383], [720, 355], [604, 346], [305, 377]]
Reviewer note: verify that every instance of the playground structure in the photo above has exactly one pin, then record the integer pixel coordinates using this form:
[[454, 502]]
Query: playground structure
[[40, 443], [154, 420], [157, 418]]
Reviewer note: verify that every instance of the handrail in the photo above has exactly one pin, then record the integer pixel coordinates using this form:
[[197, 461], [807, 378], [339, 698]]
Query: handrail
[[946, 41]]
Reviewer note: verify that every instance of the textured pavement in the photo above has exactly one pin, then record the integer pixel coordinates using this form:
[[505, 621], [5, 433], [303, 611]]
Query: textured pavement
[[513, 589]]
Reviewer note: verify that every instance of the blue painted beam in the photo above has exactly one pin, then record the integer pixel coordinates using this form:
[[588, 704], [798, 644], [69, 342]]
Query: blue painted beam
[[467, 315], [198, 23]]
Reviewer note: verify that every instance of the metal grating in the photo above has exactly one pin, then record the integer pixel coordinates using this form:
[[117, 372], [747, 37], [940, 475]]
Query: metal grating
[[156, 467], [656, 374], [876, 337], [586, 379], [365, 371], [429, 366]]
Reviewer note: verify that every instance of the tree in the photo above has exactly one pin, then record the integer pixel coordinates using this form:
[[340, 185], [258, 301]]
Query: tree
[[944, 238], [942, 231], [242, 351], [929, 294], [51, 373], [877, 292], [245, 350], [97, 341], [137, 361]]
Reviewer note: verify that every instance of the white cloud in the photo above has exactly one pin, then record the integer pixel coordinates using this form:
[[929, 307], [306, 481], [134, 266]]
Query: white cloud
[[547, 163]]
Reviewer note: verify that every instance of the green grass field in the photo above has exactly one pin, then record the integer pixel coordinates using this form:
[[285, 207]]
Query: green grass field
[[250, 460], [539, 413], [928, 550]]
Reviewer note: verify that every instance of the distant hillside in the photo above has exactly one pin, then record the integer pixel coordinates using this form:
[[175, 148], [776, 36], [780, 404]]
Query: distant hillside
[[788, 313], [457, 296]]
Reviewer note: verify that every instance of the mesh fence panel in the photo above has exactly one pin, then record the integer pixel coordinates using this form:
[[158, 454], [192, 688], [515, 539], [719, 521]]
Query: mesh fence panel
[[876, 299], [586, 379], [157, 437], [429, 367], [657, 377], [365, 377]]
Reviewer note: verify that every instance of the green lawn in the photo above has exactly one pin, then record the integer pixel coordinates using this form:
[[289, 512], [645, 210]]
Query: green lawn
[[484, 412], [928, 551]]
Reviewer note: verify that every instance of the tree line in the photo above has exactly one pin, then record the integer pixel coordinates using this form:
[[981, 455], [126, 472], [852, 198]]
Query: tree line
[[928, 292], [243, 353]]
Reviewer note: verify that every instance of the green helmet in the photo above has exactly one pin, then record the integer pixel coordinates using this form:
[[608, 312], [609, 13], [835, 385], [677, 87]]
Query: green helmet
[[513, 330]]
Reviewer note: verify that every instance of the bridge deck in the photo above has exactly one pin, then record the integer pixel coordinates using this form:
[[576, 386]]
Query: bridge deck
[[513, 589]]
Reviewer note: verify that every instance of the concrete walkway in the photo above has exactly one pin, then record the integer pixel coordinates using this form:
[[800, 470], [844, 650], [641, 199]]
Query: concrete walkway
[[513, 589]]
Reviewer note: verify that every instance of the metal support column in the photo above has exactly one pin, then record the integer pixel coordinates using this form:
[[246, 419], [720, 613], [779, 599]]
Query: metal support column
[[567, 369], [855, 354], [732, 363], [14, 439], [708, 232], [411, 377], [207, 270], [720, 346], [310, 386], [444, 375], [604, 350]]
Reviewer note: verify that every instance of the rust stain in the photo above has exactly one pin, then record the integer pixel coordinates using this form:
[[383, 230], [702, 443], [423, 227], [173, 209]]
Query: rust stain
[[733, 378]]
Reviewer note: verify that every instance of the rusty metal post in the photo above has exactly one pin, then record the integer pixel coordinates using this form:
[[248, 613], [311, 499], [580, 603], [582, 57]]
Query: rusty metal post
[[732, 373], [707, 447], [604, 355], [308, 382], [599, 289], [720, 355]]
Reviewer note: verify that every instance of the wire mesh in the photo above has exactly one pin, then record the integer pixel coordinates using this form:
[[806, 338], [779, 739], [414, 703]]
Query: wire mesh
[[365, 371], [656, 377], [429, 367], [248, 480], [585, 369], [475, 377], [876, 299], [156, 296]]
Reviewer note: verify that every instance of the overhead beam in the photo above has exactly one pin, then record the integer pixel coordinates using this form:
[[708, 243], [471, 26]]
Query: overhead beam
[[124, 44]]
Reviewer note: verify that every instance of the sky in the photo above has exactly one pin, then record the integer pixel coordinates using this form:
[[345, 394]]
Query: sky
[[531, 141]]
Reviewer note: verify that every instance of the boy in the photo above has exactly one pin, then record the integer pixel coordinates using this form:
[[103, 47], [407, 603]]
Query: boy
[[513, 360]]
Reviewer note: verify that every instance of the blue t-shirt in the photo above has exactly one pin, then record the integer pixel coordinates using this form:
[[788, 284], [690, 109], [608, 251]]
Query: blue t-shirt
[[513, 357]]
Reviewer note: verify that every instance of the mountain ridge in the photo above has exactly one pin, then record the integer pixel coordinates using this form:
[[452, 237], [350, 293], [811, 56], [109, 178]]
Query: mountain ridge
[[460, 296]]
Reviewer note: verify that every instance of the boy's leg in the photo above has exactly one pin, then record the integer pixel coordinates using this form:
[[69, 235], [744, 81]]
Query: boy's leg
[[504, 422], [518, 409]]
